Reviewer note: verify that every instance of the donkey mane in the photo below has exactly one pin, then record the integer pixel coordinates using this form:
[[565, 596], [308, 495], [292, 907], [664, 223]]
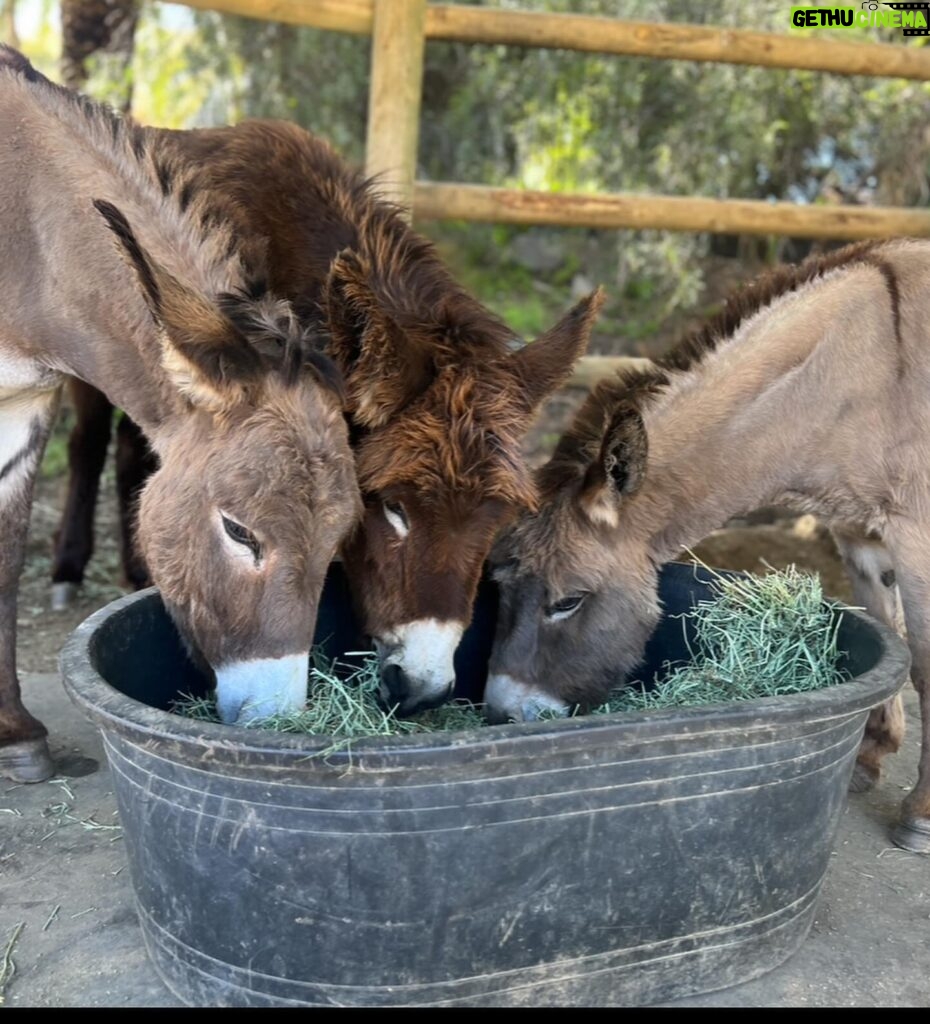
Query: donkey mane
[[274, 331], [131, 151], [478, 451], [636, 389], [339, 208], [772, 284]]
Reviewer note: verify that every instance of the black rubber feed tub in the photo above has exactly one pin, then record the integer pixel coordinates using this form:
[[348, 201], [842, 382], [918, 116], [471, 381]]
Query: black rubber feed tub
[[608, 860]]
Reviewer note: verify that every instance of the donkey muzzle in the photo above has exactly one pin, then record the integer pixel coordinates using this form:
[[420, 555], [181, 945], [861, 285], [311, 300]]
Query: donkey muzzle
[[417, 670], [510, 700], [261, 687], [397, 691]]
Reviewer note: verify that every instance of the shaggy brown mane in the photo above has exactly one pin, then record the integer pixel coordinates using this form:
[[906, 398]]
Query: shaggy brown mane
[[477, 452], [752, 297], [334, 207]]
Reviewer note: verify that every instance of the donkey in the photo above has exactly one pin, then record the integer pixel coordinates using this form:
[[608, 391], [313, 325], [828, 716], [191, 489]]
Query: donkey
[[810, 390], [173, 322], [88, 442], [108, 31], [439, 391]]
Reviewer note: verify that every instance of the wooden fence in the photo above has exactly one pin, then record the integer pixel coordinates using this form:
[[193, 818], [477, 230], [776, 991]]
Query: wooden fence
[[400, 29]]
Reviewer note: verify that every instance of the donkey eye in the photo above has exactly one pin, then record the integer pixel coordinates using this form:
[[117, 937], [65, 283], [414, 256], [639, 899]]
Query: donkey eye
[[396, 516], [237, 532], [565, 606]]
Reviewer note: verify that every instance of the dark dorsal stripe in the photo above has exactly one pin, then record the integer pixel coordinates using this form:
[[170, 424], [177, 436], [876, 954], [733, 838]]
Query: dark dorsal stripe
[[894, 294]]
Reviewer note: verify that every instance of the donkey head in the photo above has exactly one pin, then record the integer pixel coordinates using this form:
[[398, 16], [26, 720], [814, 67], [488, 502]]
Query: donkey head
[[439, 411], [256, 487], [578, 586]]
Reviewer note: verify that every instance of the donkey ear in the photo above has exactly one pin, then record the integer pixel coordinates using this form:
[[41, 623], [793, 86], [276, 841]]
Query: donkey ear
[[210, 361], [546, 363], [383, 370], [619, 469]]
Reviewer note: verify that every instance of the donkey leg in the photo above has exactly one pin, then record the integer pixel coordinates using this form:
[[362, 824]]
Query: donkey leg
[[25, 422], [135, 463], [913, 568], [870, 569], [87, 452]]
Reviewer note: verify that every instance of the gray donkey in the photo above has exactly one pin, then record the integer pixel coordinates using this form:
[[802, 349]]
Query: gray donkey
[[811, 390], [172, 322]]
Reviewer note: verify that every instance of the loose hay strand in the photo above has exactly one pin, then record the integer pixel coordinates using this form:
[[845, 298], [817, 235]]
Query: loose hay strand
[[51, 917], [7, 965]]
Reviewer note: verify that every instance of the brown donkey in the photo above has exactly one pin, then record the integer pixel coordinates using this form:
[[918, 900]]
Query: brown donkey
[[811, 390], [256, 488], [135, 461], [439, 392]]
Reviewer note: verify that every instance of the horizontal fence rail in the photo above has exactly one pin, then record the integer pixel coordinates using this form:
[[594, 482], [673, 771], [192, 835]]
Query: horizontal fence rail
[[451, 201], [458, 23], [590, 369], [400, 28]]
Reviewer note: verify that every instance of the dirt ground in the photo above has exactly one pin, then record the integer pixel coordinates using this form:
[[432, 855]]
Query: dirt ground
[[67, 919]]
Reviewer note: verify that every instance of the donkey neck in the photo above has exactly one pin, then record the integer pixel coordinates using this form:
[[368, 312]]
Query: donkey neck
[[747, 426], [91, 320]]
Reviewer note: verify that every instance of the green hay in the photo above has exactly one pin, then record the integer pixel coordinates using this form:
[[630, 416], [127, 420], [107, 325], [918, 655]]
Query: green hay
[[758, 636], [346, 708]]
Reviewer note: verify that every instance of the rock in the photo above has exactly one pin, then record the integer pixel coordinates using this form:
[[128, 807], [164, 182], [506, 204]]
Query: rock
[[538, 250], [582, 285]]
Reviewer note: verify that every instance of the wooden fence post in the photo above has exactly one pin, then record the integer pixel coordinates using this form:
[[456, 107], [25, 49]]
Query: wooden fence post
[[394, 96]]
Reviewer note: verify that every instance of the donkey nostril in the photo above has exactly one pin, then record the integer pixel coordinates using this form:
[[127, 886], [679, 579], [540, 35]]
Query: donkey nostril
[[395, 681], [497, 716]]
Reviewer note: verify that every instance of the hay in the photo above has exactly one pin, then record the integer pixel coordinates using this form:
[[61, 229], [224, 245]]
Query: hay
[[7, 964], [342, 702], [757, 636]]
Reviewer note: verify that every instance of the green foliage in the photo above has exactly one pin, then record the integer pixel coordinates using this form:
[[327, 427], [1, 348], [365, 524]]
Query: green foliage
[[562, 121], [171, 89]]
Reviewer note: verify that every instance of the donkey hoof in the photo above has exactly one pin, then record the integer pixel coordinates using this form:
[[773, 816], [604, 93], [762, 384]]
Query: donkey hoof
[[912, 834], [864, 778], [63, 595], [26, 761]]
